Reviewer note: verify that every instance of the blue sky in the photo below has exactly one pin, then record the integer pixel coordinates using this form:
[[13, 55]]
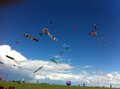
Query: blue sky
[[71, 23]]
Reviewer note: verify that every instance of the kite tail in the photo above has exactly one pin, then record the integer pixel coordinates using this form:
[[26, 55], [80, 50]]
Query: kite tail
[[52, 37]]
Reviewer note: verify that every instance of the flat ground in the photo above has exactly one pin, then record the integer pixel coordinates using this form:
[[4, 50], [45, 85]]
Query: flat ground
[[43, 86]]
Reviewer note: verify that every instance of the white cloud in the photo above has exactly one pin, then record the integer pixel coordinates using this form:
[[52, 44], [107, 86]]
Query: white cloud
[[87, 66], [51, 71], [39, 77], [64, 77], [84, 72], [84, 67], [6, 50], [109, 75]]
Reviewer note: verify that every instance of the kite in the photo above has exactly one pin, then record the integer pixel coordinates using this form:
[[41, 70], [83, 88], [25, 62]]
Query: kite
[[45, 30], [40, 34], [38, 69], [51, 22], [1, 63], [61, 52], [17, 66], [31, 37], [9, 57], [12, 59], [54, 60], [94, 31], [68, 83], [17, 42], [65, 48]]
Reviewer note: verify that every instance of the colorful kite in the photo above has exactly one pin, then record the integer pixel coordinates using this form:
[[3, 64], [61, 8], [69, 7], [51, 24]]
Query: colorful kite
[[54, 60], [31, 37], [45, 30], [94, 31], [38, 69], [68, 83]]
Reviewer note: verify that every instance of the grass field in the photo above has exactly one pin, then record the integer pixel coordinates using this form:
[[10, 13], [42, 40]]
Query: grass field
[[43, 86]]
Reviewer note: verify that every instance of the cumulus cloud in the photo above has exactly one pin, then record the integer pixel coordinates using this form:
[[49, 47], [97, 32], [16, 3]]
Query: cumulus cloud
[[51, 71], [29, 66], [6, 50]]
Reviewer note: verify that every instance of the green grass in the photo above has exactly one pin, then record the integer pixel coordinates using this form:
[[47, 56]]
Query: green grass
[[43, 86]]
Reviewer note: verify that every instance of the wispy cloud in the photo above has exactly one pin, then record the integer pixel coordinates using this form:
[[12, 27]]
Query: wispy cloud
[[87, 66]]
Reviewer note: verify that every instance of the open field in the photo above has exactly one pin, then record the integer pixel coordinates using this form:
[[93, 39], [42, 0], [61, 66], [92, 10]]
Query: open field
[[43, 86]]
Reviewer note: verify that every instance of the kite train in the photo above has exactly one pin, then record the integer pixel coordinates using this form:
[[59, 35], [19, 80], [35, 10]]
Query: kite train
[[31, 37]]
